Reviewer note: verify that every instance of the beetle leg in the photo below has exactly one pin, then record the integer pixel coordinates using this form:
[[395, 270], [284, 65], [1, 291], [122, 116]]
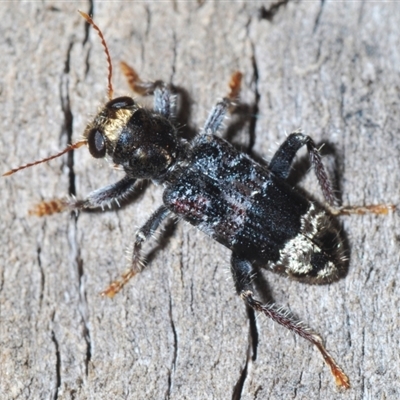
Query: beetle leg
[[379, 209], [242, 275], [164, 100], [98, 198], [282, 161], [142, 235], [217, 114], [283, 158]]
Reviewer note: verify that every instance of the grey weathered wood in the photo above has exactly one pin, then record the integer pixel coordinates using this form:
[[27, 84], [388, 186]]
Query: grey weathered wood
[[178, 330]]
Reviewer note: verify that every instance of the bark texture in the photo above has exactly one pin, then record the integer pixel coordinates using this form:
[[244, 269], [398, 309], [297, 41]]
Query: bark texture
[[178, 331]]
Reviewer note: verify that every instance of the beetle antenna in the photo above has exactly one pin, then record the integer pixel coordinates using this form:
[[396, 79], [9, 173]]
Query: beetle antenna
[[90, 21], [70, 147]]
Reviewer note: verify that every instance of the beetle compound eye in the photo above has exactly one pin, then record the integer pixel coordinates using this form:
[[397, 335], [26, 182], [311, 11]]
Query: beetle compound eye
[[121, 102], [97, 144]]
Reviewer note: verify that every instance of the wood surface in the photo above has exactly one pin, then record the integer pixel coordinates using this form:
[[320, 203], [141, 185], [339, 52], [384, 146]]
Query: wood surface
[[178, 331]]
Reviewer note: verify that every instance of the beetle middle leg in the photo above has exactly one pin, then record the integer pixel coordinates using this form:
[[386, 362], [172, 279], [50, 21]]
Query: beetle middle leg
[[218, 112], [242, 272], [142, 235]]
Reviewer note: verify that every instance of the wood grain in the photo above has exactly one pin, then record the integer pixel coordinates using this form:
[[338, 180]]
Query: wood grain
[[178, 331]]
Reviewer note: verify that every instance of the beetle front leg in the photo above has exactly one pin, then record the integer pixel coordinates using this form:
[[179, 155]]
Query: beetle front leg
[[142, 235], [98, 198], [242, 275], [164, 100]]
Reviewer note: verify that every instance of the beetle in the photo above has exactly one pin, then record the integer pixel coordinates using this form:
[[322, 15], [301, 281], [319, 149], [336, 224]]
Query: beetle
[[247, 207]]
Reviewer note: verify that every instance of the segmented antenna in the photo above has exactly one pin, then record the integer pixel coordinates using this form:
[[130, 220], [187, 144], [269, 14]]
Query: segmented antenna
[[70, 147], [103, 42], [76, 145]]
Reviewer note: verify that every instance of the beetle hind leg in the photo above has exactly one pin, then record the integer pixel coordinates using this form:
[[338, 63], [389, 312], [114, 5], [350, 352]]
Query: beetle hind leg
[[282, 161], [242, 271]]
